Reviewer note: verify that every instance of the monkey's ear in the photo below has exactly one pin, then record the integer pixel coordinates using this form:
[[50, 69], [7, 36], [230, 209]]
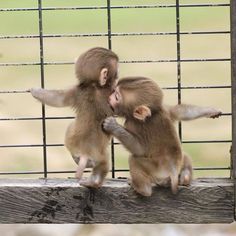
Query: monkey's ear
[[103, 76], [142, 112]]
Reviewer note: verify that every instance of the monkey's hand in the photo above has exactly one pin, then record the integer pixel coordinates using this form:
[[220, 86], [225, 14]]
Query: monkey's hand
[[213, 113], [110, 124], [128, 139], [36, 92]]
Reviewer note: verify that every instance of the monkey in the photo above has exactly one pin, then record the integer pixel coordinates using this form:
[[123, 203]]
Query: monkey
[[149, 134], [97, 73]]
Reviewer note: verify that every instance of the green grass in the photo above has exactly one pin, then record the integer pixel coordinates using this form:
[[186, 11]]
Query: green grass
[[128, 48]]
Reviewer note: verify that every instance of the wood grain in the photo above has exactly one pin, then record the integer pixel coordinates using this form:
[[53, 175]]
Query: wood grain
[[65, 201]]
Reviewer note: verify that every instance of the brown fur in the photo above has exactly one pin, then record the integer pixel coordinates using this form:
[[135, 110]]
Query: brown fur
[[84, 137], [157, 135], [156, 154], [149, 134]]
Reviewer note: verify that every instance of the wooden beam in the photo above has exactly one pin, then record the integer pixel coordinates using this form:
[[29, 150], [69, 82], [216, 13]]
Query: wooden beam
[[65, 201]]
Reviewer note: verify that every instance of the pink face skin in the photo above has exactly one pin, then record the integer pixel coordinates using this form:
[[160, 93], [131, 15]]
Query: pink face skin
[[115, 98]]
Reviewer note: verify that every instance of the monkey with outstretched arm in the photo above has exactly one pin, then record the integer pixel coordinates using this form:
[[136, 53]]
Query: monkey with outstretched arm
[[149, 134], [96, 71]]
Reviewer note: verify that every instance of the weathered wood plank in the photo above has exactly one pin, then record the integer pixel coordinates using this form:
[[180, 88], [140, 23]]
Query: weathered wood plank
[[65, 201]]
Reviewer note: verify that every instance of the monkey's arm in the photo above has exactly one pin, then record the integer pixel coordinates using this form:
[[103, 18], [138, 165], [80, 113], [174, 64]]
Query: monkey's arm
[[55, 98], [124, 136], [190, 112]]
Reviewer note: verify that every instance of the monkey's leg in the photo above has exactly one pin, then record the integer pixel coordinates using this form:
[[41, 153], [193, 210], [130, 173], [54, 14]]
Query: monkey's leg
[[81, 166], [99, 173], [190, 112], [140, 181], [174, 178], [186, 172], [90, 162]]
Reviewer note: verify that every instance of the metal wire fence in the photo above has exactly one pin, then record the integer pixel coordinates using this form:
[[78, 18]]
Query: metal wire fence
[[109, 8]]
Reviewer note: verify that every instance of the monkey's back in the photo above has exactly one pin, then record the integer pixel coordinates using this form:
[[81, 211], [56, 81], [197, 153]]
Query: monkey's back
[[162, 146], [157, 134], [84, 135]]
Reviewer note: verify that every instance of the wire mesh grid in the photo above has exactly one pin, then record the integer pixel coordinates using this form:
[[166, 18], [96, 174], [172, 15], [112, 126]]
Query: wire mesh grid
[[109, 9]]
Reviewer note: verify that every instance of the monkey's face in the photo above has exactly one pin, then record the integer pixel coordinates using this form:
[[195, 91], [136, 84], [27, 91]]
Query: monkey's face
[[122, 102], [126, 104], [136, 98], [115, 100]]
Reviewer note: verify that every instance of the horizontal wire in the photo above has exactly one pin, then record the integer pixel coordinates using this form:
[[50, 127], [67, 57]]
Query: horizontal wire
[[22, 64], [195, 141], [116, 7], [206, 141], [57, 118], [112, 34], [88, 171], [166, 88], [194, 168], [30, 145], [123, 62], [32, 172], [174, 60], [199, 87], [37, 118], [39, 172], [14, 91], [226, 114], [115, 143], [211, 168]]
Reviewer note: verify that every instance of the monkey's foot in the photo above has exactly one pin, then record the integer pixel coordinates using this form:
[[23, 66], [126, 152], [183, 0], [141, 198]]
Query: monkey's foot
[[185, 179], [144, 190], [94, 181], [129, 181], [89, 184], [78, 175]]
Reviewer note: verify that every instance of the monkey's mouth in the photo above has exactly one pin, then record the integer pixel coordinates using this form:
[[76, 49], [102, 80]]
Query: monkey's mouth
[[111, 107]]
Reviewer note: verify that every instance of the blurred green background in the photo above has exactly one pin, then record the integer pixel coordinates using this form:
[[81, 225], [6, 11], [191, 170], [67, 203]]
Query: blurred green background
[[66, 49]]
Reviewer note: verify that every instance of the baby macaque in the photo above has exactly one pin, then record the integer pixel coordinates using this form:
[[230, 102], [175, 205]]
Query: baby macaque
[[149, 134], [96, 71]]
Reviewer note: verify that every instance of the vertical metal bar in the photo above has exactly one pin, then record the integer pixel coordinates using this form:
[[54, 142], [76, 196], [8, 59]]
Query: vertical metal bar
[[233, 103], [110, 47], [178, 60], [109, 23], [42, 85]]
